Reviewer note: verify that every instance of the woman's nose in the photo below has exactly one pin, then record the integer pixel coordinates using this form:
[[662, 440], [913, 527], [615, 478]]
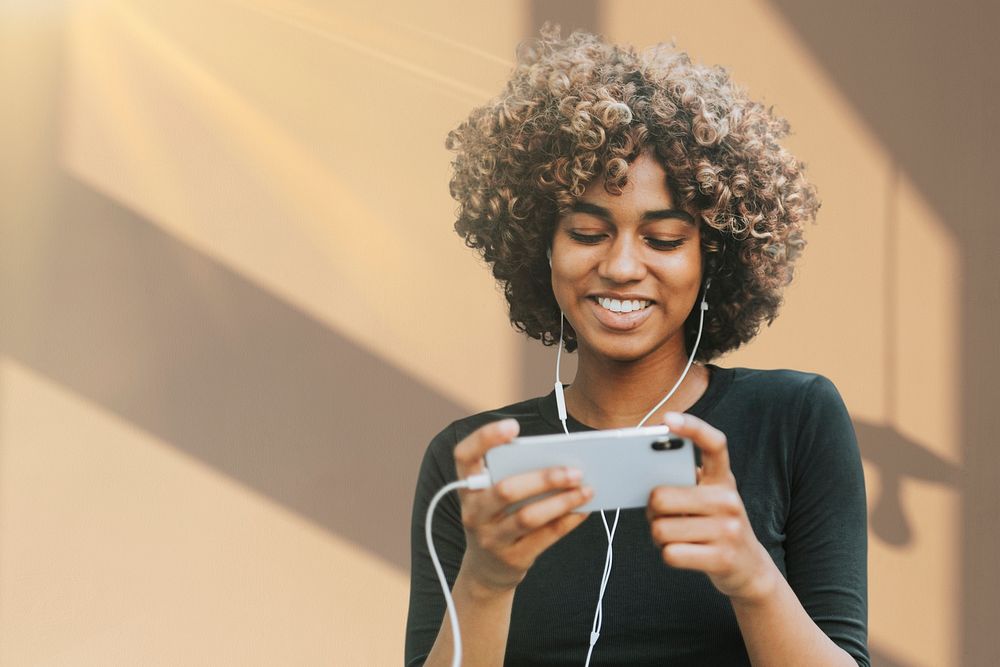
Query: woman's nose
[[623, 263]]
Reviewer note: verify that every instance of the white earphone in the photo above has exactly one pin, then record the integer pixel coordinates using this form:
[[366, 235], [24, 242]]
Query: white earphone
[[609, 531], [482, 481]]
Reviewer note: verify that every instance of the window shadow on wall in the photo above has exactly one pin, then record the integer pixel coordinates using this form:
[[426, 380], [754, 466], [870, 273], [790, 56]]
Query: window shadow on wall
[[923, 76], [896, 461]]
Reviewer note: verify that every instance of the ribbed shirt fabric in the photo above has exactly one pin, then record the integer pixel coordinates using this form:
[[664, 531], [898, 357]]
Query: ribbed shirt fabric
[[798, 470]]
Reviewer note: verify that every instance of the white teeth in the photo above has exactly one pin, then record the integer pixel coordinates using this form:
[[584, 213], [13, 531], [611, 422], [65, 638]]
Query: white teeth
[[618, 306]]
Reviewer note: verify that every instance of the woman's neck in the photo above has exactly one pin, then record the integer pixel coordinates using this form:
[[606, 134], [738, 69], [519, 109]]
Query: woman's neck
[[612, 394]]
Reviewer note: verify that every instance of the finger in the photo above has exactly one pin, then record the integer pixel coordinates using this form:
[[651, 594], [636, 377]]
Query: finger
[[540, 539], [536, 514], [520, 487], [699, 500], [698, 472], [666, 530], [497, 499], [704, 557], [710, 440], [470, 451]]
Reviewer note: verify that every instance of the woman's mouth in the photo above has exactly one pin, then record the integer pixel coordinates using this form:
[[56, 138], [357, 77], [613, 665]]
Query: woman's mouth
[[620, 314], [621, 306]]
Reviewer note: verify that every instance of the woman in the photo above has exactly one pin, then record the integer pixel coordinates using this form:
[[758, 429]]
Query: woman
[[608, 189]]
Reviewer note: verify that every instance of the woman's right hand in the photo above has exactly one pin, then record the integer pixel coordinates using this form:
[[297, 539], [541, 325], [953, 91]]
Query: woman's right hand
[[502, 544]]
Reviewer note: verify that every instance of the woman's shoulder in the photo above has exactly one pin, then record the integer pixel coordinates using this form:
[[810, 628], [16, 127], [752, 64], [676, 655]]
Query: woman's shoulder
[[781, 380], [781, 388], [778, 377]]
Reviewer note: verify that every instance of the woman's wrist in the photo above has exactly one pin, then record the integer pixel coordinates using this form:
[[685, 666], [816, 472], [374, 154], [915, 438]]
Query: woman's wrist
[[479, 589], [484, 618], [761, 586]]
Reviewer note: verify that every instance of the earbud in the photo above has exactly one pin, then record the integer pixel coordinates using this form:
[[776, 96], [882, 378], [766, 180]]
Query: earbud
[[560, 396]]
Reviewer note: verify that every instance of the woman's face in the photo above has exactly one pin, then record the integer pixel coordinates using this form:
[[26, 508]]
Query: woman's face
[[613, 251]]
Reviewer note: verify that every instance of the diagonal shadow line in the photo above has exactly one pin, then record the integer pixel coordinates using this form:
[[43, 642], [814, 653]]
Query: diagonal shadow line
[[880, 658], [127, 316]]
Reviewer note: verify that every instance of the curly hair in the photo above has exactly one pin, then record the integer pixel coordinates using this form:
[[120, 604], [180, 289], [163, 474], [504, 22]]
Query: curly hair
[[578, 108]]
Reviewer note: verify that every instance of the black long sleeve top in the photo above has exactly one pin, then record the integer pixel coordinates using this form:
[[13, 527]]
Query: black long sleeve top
[[798, 470]]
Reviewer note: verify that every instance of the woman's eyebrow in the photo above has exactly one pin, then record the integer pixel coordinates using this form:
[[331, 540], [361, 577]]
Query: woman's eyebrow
[[648, 216], [668, 213]]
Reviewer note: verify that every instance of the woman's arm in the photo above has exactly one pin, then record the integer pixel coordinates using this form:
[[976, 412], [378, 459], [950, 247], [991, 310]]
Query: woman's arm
[[706, 528], [483, 620], [777, 630], [486, 547]]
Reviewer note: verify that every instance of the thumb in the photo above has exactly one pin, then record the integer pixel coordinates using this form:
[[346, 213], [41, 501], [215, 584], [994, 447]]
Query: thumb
[[709, 440]]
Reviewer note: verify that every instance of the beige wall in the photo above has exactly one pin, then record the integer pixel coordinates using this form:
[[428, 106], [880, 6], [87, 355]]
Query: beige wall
[[234, 310]]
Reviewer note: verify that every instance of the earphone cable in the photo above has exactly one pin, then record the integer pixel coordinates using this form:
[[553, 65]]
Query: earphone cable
[[595, 631], [482, 480]]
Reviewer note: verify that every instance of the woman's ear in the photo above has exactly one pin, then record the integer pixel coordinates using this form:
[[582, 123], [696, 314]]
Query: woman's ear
[[713, 252], [711, 265]]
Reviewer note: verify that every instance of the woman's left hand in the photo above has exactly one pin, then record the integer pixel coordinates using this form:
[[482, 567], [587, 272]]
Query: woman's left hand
[[705, 527]]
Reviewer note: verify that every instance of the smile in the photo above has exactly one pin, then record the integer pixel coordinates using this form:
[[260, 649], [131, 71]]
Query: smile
[[620, 315], [616, 306]]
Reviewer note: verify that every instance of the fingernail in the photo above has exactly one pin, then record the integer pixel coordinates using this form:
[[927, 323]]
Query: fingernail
[[674, 419], [574, 474], [509, 425]]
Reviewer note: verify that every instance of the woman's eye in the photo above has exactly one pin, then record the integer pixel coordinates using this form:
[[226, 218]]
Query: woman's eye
[[586, 238], [661, 244]]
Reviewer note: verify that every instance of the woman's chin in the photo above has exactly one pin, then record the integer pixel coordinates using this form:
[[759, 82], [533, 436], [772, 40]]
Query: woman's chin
[[624, 352], [628, 348]]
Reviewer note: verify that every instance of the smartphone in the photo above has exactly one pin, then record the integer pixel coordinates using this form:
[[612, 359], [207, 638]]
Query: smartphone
[[622, 466]]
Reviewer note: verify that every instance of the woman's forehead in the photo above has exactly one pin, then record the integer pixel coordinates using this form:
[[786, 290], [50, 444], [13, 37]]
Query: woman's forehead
[[646, 187]]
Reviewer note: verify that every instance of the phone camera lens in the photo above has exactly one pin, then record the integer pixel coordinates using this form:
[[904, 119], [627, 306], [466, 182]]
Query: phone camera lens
[[667, 444]]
